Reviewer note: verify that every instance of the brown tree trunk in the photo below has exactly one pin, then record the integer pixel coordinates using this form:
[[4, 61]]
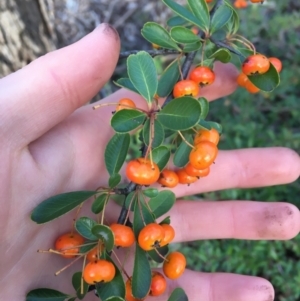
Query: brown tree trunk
[[26, 32]]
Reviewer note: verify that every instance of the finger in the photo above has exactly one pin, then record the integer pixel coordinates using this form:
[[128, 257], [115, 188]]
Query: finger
[[221, 287], [194, 220], [53, 86], [247, 168]]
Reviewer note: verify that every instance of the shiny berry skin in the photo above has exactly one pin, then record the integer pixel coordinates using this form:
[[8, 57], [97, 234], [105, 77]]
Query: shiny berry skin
[[158, 284], [99, 271], [184, 178], [202, 75], [242, 79], [255, 64], [199, 173], [169, 234], [276, 63], [95, 253], [125, 103], [209, 1], [66, 242], [257, 1], [168, 178], [151, 236], [124, 236], [128, 294], [203, 155], [174, 265], [240, 4], [186, 88], [251, 88], [141, 171], [207, 135]]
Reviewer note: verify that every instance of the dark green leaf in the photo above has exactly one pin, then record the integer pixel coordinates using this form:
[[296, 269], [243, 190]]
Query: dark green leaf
[[141, 215], [105, 234], [183, 12], [220, 18], [87, 247], [157, 133], [114, 180], [192, 47], [126, 83], [162, 203], [208, 63], [116, 151], [204, 107], [180, 113], [166, 220], [214, 125], [130, 200], [205, 124], [115, 288], [59, 205], [175, 21], [178, 295], [84, 227], [168, 79], [267, 81], [46, 294], [127, 120], [141, 271], [150, 192], [234, 23], [223, 55], [154, 256], [183, 35], [99, 203], [156, 34], [200, 10], [72, 299], [115, 299], [161, 156], [76, 282], [181, 157], [142, 73]]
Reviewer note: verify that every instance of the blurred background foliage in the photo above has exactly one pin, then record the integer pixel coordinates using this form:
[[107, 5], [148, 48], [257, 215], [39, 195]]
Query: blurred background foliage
[[259, 120]]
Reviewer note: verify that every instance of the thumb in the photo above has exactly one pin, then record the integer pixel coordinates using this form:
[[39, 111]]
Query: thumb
[[49, 89]]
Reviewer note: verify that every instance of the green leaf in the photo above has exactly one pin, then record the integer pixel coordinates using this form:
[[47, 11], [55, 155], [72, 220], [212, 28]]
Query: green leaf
[[162, 203], [183, 35], [158, 134], [180, 113], [72, 299], [183, 12], [130, 200], [86, 248], [220, 18], [150, 192], [99, 203], [223, 55], [175, 21], [116, 151], [76, 282], [138, 219], [161, 156], [114, 180], [181, 157], [115, 299], [208, 63], [84, 227], [205, 124], [192, 47], [115, 288], [59, 205], [127, 120], [204, 107], [178, 295], [234, 23], [142, 73], [126, 83], [154, 256], [46, 294], [200, 9], [168, 79], [105, 234], [166, 220], [267, 81], [156, 34], [141, 271], [215, 125]]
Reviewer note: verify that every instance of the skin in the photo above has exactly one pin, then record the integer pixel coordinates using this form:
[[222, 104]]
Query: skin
[[51, 143]]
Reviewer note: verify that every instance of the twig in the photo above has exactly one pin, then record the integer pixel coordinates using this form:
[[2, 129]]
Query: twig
[[152, 52]]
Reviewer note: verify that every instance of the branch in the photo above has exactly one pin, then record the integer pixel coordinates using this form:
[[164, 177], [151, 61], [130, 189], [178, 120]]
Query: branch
[[221, 44], [152, 52]]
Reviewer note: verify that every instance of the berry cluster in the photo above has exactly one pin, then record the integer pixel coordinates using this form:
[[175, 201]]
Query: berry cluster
[[244, 3], [254, 65]]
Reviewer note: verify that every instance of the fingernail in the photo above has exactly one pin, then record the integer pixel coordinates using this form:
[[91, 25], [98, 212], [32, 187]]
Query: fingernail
[[108, 29]]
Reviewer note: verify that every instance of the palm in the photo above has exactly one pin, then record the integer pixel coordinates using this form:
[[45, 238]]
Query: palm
[[50, 152]]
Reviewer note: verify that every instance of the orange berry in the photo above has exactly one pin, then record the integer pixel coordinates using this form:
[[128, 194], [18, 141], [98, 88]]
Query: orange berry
[[125, 103], [99, 271], [158, 284], [202, 75], [169, 234], [242, 79], [186, 88], [184, 178], [174, 265], [207, 135], [128, 289], [151, 236], [168, 178], [256, 64], [124, 236], [251, 88], [68, 244], [276, 63], [194, 172], [95, 253]]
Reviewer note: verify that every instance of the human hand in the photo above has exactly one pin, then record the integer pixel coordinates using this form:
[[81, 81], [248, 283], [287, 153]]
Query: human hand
[[49, 148]]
